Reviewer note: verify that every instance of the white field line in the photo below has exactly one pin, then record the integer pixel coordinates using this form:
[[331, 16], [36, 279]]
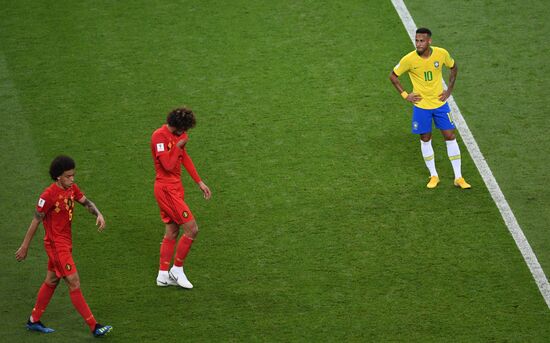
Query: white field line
[[487, 175]]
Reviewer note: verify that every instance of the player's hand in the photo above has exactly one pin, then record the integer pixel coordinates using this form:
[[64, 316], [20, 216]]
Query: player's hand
[[181, 143], [414, 98], [205, 190], [445, 95], [100, 222], [21, 253]]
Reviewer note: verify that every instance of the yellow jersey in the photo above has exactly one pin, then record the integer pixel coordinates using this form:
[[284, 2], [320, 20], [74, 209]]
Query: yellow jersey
[[426, 75]]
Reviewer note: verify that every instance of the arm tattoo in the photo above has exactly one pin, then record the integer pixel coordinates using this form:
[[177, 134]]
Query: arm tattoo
[[39, 215], [91, 207]]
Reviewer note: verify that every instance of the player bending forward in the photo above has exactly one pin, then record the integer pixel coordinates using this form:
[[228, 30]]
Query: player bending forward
[[429, 100], [55, 210], [169, 153]]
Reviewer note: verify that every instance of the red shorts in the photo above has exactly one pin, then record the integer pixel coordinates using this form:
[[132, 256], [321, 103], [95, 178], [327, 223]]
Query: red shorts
[[60, 260], [171, 203]]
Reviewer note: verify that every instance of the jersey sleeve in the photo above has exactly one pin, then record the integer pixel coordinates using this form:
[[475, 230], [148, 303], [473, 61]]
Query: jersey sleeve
[[402, 67], [167, 156], [190, 166], [77, 192], [448, 60], [159, 144], [45, 202]]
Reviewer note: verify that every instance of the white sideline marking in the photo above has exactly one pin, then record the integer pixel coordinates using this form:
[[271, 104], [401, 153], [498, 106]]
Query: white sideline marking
[[487, 175]]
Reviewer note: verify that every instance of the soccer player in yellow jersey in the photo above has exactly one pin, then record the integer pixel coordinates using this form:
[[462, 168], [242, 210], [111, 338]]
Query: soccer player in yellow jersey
[[429, 100]]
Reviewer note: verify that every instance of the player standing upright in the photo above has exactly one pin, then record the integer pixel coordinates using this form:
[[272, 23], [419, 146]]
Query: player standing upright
[[169, 153], [55, 210], [424, 66]]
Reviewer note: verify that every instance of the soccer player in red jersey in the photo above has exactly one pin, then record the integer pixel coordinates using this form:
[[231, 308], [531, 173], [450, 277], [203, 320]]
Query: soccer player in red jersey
[[55, 210], [169, 153]]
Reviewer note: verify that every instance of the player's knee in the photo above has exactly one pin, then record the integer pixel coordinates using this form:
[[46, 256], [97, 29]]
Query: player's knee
[[425, 137], [73, 282], [73, 286], [171, 235], [191, 229], [450, 136], [52, 282], [172, 231]]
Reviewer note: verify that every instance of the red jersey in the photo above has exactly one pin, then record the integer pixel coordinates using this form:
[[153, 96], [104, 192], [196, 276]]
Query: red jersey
[[57, 204], [169, 158]]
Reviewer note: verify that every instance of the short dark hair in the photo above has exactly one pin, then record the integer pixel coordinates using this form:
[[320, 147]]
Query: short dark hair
[[181, 118], [59, 165], [424, 30]]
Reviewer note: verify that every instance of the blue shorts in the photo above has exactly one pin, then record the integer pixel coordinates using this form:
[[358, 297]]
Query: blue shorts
[[422, 119]]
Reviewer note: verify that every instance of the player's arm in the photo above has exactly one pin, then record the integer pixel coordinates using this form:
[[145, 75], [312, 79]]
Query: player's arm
[[92, 208], [168, 158], [21, 253], [190, 167], [412, 97], [452, 78]]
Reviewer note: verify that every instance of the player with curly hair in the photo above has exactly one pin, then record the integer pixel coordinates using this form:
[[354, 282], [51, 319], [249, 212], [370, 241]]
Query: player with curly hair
[[169, 153], [55, 211]]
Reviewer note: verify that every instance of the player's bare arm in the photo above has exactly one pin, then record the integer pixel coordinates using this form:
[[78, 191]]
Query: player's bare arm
[[452, 78], [21, 253], [410, 97], [92, 208], [205, 190]]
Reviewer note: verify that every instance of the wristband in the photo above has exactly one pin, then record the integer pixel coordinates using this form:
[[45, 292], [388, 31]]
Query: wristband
[[404, 94]]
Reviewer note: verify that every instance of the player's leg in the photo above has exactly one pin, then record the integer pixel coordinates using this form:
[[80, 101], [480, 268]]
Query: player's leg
[[165, 199], [444, 122], [167, 248], [422, 125], [80, 304], [42, 300], [190, 230]]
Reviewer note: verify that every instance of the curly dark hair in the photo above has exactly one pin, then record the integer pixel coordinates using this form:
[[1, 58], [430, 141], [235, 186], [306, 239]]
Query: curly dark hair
[[181, 118], [59, 165]]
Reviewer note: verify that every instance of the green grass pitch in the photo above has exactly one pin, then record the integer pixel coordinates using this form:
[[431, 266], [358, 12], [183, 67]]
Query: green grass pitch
[[320, 227]]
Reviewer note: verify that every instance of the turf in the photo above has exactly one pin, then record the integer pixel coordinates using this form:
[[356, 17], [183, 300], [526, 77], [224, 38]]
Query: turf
[[320, 228], [501, 92]]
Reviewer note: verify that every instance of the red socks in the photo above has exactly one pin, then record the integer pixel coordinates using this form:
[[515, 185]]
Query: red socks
[[166, 253], [82, 307], [183, 248], [45, 295], [42, 300]]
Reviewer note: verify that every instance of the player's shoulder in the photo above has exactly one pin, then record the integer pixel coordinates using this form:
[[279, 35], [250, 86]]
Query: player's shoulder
[[75, 187], [159, 133], [51, 189], [49, 193], [411, 55], [440, 51]]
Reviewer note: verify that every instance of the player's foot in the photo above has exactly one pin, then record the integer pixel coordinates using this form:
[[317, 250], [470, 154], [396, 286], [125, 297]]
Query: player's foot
[[38, 326], [434, 180], [177, 274], [101, 330], [164, 280], [460, 182]]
